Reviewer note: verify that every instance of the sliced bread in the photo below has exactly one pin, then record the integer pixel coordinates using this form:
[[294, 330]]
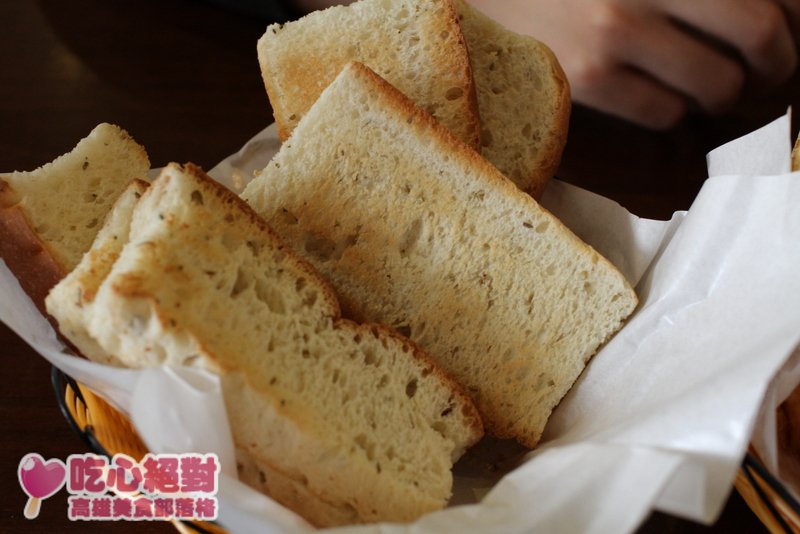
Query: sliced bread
[[50, 216], [416, 44], [351, 417], [523, 99], [417, 231], [75, 293]]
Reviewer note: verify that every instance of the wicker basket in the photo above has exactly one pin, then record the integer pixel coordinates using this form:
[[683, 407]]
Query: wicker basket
[[767, 497], [107, 432]]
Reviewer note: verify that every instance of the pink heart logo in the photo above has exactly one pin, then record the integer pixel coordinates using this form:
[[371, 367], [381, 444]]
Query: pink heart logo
[[40, 480]]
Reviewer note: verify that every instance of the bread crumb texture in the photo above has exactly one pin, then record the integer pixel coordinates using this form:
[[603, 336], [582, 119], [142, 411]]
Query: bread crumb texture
[[418, 232], [421, 50], [343, 422], [66, 201], [69, 301], [523, 98]]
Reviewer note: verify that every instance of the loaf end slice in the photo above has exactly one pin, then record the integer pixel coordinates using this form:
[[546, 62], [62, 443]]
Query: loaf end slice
[[416, 44], [416, 230], [50, 216], [523, 98], [352, 416]]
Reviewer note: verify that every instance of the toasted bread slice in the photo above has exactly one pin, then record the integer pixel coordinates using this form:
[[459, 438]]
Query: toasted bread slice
[[523, 99], [417, 231], [416, 44], [350, 414], [50, 216], [67, 301]]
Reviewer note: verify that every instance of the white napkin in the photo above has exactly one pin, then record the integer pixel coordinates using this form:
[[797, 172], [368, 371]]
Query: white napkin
[[664, 412]]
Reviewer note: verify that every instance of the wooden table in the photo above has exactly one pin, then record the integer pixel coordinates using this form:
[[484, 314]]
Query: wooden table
[[182, 77]]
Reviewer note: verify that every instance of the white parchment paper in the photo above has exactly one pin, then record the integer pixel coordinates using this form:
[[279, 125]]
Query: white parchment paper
[[664, 412]]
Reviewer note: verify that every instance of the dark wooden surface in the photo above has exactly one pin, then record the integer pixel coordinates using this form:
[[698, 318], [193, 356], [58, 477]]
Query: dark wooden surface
[[182, 77]]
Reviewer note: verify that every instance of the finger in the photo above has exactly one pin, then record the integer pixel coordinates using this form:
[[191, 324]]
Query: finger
[[684, 63], [627, 94], [757, 29]]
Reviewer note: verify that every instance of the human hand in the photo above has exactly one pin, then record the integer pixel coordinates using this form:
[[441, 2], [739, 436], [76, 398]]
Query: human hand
[[650, 61]]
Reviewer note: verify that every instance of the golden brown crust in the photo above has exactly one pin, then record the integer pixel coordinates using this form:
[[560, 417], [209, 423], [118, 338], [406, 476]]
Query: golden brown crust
[[450, 143], [466, 69], [400, 109], [504, 60], [318, 502], [102, 259], [272, 94], [421, 120], [226, 196], [26, 255], [133, 286], [558, 132], [8, 197], [418, 118], [283, 73]]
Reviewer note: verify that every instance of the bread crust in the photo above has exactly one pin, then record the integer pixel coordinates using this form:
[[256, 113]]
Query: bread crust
[[238, 203], [517, 74], [31, 202], [421, 120], [324, 193], [450, 144], [466, 69], [314, 463], [332, 299], [284, 74], [541, 176], [26, 255]]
